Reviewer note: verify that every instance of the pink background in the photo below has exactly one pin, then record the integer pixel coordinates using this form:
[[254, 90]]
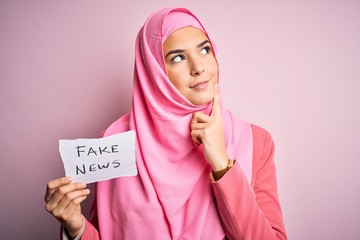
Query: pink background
[[292, 67]]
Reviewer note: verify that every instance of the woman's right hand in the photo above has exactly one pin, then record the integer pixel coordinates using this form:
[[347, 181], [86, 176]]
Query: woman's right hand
[[63, 199]]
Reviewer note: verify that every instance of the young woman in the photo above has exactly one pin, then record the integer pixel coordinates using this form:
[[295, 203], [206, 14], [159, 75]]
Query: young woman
[[202, 172]]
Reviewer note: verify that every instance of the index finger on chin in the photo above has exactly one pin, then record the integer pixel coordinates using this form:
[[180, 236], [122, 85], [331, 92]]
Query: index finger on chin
[[216, 110]]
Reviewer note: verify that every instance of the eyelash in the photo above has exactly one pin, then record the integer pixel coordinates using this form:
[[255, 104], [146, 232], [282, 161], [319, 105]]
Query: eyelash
[[207, 48]]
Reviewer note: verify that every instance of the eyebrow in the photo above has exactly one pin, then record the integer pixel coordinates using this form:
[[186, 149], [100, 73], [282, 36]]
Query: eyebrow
[[182, 50]]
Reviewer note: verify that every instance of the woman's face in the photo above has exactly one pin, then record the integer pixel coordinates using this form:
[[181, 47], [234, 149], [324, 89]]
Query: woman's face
[[191, 64]]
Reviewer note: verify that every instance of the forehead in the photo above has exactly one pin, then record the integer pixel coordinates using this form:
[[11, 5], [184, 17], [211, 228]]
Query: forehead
[[185, 37]]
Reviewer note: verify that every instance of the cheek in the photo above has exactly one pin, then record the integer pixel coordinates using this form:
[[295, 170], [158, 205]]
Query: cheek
[[176, 78], [212, 63], [215, 71]]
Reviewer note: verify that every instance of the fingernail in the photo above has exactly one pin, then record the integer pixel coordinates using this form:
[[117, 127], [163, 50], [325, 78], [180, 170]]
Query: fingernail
[[69, 179]]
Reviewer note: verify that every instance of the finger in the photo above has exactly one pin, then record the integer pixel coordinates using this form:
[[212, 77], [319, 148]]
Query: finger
[[53, 185], [198, 126], [74, 205], [66, 209], [57, 206], [73, 198], [77, 201], [63, 191], [216, 109], [200, 117], [196, 137]]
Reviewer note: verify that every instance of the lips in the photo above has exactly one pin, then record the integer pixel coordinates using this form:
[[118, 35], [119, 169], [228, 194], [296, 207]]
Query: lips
[[199, 85]]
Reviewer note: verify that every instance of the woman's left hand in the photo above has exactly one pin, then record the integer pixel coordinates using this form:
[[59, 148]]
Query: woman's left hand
[[209, 131]]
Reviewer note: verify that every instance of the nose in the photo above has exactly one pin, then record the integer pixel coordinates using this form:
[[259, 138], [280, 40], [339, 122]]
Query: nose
[[196, 67]]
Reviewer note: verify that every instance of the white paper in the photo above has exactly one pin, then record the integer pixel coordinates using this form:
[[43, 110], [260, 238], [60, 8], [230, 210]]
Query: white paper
[[99, 159]]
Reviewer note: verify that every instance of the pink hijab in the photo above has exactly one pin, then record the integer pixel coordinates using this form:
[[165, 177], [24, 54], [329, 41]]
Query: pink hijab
[[171, 198]]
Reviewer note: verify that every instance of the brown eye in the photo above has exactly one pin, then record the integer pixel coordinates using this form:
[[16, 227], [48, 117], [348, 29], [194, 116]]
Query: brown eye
[[205, 50], [177, 58]]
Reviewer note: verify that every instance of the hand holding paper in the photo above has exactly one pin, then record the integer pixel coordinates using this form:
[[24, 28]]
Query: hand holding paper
[[92, 160], [63, 199]]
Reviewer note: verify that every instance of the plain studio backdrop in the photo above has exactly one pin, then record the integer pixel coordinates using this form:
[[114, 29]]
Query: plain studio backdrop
[[292, 67]]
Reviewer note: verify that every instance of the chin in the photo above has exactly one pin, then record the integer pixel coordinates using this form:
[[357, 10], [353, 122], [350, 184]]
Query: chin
[[202, 98], [203, 101]]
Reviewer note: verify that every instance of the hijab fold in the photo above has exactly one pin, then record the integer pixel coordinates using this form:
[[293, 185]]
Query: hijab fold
[[171, 198]]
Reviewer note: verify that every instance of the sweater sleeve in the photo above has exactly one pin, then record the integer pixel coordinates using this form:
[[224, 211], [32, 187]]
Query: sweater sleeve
[[90, 232], [252, 212]]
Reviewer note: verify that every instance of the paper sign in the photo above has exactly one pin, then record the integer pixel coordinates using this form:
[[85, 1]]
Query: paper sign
[[93, 160]]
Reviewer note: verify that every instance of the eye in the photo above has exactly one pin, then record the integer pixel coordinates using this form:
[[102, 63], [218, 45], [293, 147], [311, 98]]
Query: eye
[[177, 59], [205, 50]]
